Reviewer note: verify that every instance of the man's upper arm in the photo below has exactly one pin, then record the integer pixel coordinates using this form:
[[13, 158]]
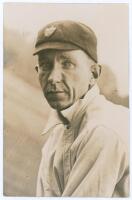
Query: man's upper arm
[[101, 162]]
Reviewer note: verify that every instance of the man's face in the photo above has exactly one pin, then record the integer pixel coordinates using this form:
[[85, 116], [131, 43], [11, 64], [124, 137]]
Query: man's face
[[64, 76]]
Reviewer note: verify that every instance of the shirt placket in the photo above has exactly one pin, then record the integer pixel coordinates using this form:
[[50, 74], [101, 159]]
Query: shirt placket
[[68, 138]]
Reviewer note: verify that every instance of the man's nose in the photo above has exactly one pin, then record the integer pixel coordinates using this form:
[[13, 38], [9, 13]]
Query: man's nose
[[55, 74]]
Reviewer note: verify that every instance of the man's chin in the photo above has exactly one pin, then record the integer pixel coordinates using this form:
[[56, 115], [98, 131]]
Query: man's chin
[[59, 105]]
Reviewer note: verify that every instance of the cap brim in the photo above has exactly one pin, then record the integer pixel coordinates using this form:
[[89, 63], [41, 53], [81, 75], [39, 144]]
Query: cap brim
[[55, 45]]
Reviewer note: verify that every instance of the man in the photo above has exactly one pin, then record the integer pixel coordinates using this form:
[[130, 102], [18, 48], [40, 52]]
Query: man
[[86, 153]]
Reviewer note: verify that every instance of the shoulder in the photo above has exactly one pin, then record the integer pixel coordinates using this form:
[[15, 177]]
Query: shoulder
[[101, 106], [101, 137], [106, 135]]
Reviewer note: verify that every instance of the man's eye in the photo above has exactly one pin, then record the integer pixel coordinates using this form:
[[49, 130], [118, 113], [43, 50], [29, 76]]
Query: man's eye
[[67, 65], [45, 66]]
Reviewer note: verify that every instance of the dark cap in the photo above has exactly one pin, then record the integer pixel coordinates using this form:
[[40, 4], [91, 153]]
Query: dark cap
[[67, 35]]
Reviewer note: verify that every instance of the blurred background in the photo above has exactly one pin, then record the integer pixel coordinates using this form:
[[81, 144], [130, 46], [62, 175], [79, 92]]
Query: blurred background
[[25, 109]]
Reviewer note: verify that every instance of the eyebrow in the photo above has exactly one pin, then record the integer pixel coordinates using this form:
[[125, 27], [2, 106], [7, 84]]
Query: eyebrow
[[47, 57], [65, 57]]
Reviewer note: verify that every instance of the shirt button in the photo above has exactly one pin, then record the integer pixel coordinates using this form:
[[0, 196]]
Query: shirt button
[[67, 126]]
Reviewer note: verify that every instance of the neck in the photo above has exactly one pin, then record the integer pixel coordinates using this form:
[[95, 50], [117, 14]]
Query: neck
[[62, 118]]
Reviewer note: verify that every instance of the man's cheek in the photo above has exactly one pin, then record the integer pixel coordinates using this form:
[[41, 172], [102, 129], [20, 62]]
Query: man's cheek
[[42, 79], [72, 76]]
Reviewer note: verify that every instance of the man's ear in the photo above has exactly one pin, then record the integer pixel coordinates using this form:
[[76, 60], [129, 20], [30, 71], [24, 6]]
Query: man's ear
[[96, 70], [36, 68]]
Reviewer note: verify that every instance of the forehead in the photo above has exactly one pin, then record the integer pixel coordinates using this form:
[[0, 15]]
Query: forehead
[[63, 54]]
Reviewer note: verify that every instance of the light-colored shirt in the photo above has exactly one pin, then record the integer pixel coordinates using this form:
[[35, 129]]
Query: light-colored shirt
[[90, 156]]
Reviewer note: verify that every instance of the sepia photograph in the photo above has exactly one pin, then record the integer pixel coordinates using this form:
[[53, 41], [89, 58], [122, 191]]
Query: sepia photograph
[[66, 100]]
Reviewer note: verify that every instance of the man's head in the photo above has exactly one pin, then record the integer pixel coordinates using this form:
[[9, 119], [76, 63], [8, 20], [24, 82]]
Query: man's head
[[67, 59]]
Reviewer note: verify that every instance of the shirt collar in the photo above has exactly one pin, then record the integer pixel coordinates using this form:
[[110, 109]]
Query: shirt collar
[[73, 111]]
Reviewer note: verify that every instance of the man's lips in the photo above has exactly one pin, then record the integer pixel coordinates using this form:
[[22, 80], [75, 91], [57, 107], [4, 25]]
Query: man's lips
[[55, 95], [54, 92]]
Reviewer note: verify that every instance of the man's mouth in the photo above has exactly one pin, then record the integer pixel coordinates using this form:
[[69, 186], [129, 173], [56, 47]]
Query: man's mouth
[[54, 92]]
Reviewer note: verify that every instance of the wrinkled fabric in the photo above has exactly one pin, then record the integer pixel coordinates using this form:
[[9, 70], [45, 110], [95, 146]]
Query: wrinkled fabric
[[90, 157]]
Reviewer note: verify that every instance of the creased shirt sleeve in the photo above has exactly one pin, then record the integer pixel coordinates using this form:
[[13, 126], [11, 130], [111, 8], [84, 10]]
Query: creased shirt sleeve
[[40, 185], [101, 167]]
